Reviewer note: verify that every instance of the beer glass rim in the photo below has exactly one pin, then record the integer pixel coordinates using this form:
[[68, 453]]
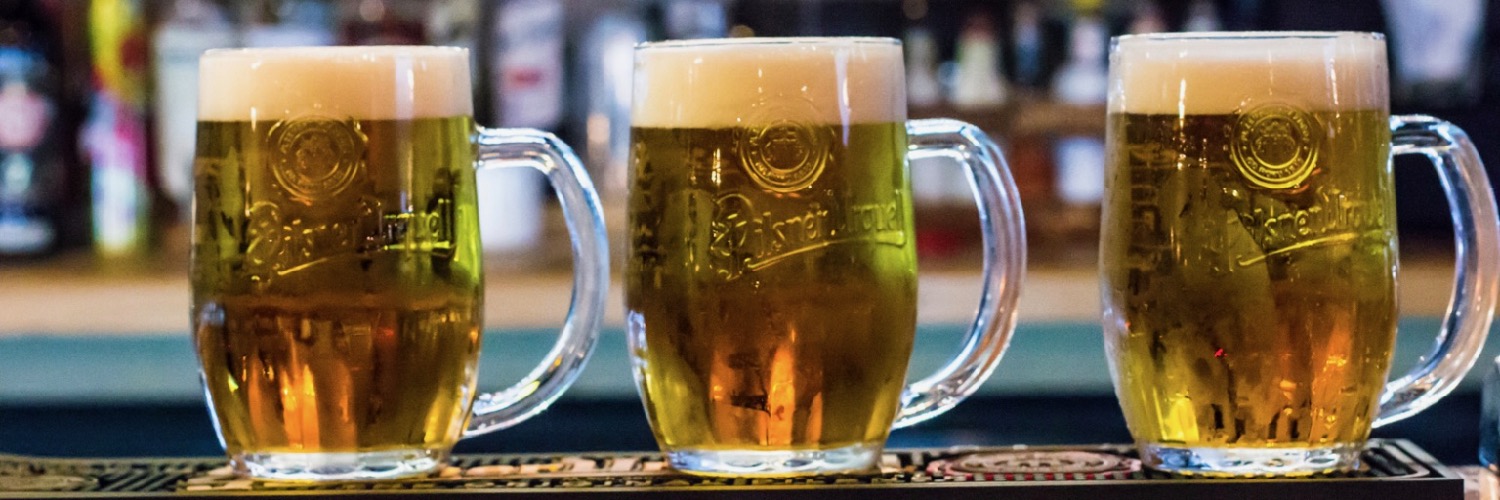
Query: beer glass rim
[[336, 50], [1248, 36], [764, 41]]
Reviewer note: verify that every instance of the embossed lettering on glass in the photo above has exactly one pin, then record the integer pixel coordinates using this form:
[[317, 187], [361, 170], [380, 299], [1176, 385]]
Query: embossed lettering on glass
[[336, 269], [1249, 250], [771, 277]]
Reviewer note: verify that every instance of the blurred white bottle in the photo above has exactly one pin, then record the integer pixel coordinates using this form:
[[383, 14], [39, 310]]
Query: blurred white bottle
[[1083, 81], [977, 81], [922, 87], [1202, 16], [191, 27], [1148, 18], [528, 92]]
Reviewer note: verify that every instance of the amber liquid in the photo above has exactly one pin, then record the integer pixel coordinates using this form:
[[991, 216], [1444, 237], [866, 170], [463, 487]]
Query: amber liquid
[[771, 318], [1242, 316], [337, 310]]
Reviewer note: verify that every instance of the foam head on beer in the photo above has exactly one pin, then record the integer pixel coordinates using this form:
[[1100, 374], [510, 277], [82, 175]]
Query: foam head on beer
[[755, 81], [1218, 74], [369, 83]]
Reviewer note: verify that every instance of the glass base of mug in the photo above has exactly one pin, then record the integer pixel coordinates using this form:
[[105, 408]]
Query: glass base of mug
[[339, 466], [789, 463], [1242, 462]]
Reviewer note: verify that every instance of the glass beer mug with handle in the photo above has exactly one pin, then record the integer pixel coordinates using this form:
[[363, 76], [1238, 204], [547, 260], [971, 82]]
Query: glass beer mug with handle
[[771, 279], [1249, 250], [336, 265]]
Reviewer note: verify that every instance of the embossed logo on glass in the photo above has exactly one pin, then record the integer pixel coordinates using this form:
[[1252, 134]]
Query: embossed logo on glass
[[1274, 145], [1335, 217], [281, 245], [315, 157], [745, 238], [788, 152]]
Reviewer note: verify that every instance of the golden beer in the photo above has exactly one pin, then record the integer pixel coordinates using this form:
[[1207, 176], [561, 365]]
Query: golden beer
[[771, 281], [770, 317], [1252, 317], [1248, 249], [336, 299], [336, 267]]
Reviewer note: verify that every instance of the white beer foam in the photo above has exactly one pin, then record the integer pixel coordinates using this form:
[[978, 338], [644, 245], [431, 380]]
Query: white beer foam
[[367, 83], [1217, 73], [752, 81]]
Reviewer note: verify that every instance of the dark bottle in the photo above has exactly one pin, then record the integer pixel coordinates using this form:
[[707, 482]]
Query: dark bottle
[[383, 22], [32, 159]]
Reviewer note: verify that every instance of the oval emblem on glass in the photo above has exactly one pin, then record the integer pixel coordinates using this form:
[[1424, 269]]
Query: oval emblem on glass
[[1274, 145], [789, 150], [316, 157]]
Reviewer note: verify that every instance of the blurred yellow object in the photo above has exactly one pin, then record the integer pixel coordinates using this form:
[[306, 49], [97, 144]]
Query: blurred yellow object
[[115, 136], [1086, 7], [118, 39]]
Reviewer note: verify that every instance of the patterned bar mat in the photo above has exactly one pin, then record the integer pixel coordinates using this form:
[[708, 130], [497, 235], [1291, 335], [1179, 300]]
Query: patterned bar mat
[[1392, 469]]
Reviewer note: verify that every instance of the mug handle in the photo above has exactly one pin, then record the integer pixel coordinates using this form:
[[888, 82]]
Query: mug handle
[[1004, 233], [1476, 283], [506, 148]]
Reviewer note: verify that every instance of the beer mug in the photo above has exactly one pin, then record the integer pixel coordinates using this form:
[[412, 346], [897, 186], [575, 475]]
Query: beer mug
[[1249, 250], [336, 262], [771, 281]]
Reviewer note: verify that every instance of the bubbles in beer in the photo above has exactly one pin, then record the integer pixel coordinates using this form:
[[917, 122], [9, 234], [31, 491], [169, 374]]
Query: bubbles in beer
[[770, 319], [1247, 315]]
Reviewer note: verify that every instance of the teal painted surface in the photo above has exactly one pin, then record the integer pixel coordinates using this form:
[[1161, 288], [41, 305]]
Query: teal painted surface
[[1044, 359]]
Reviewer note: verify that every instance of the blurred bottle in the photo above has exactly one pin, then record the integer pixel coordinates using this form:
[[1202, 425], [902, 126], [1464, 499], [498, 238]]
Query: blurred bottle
[[1202, 16], [1082, 81], [922, 87], [287, 23], [32, 162], [528, 66], [606, 58], [605, 63], [686, 19], [115, 137], [1083, 78], [1436, 49], [454, 23], [188, 28], [71, 64], [383, 22], [527, 83], [977, 81], [1028, 45], [1030, 149], [1147, 18]]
